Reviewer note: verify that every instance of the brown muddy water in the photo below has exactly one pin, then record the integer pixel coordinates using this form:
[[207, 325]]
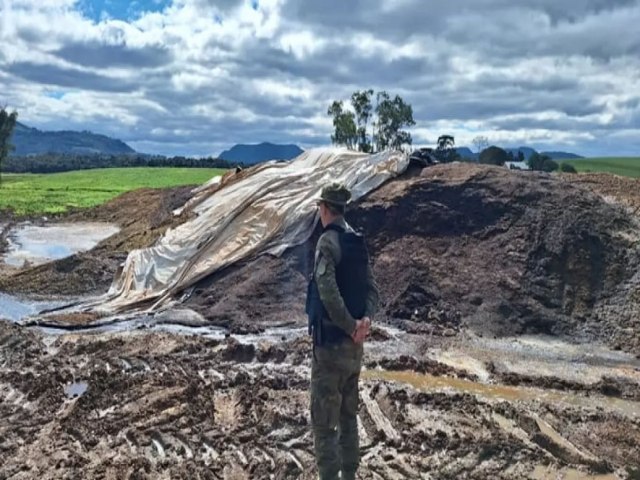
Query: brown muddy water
[[430, 383]]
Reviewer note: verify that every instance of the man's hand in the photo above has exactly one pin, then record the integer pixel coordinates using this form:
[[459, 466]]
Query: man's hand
[[362, 330]]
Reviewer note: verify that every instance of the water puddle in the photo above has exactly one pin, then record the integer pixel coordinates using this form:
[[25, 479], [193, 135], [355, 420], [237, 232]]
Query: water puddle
[[540, 356], [35, 245], [552, 349], [15, 309], [75, 390], [272, 335], [137, 325], [426, 382], [548, 473]]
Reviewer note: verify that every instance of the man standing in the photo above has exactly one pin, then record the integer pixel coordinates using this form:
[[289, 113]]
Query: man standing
[[342, 297]]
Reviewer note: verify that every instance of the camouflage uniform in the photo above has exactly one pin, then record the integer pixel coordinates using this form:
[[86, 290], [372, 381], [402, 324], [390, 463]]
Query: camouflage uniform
[[336, 367]]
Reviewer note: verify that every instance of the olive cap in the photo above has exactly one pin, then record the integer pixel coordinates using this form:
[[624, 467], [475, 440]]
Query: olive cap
[[336, 194]]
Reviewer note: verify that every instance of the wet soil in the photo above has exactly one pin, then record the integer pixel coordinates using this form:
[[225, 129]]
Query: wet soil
[[142, 215], [456, 247], [5, 228], [459, 252], [470, 247], [149, 406], [614, 188], [610, 386]]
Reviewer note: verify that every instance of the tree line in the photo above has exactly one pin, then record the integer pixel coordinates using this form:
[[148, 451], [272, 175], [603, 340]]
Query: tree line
[[358, 126], [56, 162], [446, 152], [538, 162]]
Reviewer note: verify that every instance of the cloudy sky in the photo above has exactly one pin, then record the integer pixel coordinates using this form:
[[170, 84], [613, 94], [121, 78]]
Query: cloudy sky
[[197, 76]]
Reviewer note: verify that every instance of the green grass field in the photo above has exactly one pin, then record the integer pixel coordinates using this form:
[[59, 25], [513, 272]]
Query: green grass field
[[625, 166], [57, 192]]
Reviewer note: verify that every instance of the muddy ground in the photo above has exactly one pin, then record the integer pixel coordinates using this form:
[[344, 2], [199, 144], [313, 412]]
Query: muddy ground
[[454, 246], [467, 247], [472, 261], [143, 216], [160, 406]]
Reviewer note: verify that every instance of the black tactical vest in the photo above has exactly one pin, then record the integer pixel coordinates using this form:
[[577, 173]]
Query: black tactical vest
[[351, 277]]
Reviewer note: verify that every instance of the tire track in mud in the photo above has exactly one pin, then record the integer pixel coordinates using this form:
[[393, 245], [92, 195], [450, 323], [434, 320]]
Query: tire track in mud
[[164, 406]]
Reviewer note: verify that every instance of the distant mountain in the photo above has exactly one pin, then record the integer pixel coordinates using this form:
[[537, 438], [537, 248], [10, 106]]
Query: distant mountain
[[526, 151], [562, 155], [251, 154], [465, 152], [31, 141]]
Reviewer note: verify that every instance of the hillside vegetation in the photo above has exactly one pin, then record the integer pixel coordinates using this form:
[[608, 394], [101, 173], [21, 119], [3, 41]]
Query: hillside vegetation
[[625, 166], [30, 141], [55, 193]]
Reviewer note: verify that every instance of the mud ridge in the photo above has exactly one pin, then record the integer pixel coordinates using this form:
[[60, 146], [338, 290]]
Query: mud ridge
[[167, 406], [457, 247]]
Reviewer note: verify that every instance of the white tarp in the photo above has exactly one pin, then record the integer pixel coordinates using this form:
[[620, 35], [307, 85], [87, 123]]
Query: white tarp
[[265, 209]]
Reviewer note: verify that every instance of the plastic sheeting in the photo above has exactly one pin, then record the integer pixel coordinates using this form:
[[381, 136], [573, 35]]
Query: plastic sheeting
[[262, 210]]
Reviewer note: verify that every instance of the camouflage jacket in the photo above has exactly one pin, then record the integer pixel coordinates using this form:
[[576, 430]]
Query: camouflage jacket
[[327, 257]]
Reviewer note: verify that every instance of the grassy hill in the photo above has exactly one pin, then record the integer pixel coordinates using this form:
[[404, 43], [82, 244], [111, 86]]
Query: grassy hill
[[28, 194], [625, 166]]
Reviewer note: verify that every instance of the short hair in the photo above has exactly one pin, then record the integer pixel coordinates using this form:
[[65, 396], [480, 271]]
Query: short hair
[[335, 209]]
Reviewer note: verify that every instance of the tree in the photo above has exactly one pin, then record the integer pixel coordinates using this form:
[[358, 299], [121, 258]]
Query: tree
[[480, 143], [542, 163], [535, 161], [494, 156], [549, 165], [567, 168], [344, 124], [445, 151], [520, 156], [393, 116], [7, 124], [361, 102], [446, 142]]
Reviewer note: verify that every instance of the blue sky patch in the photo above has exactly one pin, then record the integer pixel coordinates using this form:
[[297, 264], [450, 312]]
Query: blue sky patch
[[57, 94], [120, 9]]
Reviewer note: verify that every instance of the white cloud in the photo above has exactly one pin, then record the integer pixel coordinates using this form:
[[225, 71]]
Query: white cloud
[[200, 75], [301, 44]]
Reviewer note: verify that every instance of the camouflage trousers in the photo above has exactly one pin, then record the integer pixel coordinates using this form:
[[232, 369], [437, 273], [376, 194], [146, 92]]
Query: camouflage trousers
[[335, 372]]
